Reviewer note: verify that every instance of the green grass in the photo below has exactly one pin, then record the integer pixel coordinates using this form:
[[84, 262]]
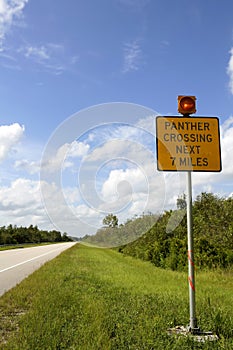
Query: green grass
[[90, 298]]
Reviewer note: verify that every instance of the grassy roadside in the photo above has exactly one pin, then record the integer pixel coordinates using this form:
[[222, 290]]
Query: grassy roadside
[[89, 298]]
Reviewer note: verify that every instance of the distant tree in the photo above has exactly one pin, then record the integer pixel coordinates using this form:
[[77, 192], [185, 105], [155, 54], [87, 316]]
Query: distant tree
[[181, 202], [18, 235], [66, 238], [110, 220]]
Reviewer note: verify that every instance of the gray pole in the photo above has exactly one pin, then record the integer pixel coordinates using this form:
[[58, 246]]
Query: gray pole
[[191, 277]]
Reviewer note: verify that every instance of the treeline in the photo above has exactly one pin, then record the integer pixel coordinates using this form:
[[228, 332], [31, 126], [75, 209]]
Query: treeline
[[19, 235], [114, 235], [165, 243]]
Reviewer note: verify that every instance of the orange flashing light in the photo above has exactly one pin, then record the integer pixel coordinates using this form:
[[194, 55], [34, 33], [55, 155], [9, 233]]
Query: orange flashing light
[[186, 104]]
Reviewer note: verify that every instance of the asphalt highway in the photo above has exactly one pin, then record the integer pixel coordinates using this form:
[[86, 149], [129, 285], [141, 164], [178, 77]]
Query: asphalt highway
[[17, 264]]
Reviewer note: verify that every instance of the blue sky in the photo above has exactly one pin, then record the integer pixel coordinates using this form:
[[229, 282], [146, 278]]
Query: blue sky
[[59, 59]]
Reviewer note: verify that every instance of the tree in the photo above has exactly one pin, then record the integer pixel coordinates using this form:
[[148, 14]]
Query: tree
[[181, 202], [110, 220]]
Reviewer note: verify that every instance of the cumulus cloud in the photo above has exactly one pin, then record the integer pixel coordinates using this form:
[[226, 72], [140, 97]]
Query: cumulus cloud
[[9, 137], [65, 152], [10, 11], [148, 123], [134, 177], [22, 193], [77, 149], [126, 192], [62, 159], [20, 203], [31, 167], [227, 146], [66, 212]]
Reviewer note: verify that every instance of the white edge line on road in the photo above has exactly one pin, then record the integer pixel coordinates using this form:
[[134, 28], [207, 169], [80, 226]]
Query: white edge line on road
[[26, 261]]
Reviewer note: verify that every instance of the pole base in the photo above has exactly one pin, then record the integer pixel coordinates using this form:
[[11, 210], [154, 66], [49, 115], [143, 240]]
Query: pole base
[[196, 334]]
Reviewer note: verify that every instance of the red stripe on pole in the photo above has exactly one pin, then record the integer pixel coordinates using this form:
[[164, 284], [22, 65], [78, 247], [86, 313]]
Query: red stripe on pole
[[189, 257], [191, 284]]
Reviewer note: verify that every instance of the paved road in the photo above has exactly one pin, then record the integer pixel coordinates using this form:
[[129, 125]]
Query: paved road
[[17, 264]]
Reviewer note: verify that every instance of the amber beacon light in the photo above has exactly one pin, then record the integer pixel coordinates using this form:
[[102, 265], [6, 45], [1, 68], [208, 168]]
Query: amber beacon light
[[187, 104]]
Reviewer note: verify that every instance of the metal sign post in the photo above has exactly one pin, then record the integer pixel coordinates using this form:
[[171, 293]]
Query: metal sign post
[[191, 272]]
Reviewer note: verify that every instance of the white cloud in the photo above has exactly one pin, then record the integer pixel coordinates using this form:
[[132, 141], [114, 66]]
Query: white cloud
[[29, 166], [61, 160], [38, 53], [117, 181], [126, 192], [21, 194], [132, 56], [230, 71], [148, 123], [77, 149], [27, 158], [10, 12], [65, 213], [48, 52], [227, 146], [9, 137], [20, 204], [72, 195], [50, 57], [47, 57]]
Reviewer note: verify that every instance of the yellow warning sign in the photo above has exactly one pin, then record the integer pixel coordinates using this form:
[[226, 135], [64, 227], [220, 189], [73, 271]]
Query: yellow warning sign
[[188, 144]]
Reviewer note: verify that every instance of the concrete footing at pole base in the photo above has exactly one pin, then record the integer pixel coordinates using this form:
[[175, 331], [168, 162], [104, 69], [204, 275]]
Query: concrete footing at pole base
[[195, 334]]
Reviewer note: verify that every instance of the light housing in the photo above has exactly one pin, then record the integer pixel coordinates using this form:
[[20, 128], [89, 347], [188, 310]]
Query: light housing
[[186, 104]]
